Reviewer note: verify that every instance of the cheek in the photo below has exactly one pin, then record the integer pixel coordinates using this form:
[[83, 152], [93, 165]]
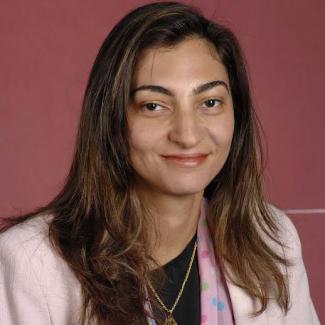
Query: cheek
[[222, 132], [143, 139], [138, 141]]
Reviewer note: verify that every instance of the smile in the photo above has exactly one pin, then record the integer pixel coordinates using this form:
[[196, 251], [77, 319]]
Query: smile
[[186, 160]]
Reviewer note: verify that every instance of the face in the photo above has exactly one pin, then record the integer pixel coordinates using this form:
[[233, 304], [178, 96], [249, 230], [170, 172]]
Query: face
[[180, 117]]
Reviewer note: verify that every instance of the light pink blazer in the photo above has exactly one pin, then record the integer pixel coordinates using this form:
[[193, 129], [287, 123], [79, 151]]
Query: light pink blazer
[[38, 288]]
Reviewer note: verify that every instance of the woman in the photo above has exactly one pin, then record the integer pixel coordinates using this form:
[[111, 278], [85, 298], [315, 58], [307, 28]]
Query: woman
[[162, 217]]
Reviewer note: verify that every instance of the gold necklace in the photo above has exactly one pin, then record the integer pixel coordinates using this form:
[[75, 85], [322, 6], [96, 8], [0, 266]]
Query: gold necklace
[[170, 319]]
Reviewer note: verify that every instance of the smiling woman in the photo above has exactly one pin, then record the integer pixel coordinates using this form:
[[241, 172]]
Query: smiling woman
[[181, 115], [162, 219]]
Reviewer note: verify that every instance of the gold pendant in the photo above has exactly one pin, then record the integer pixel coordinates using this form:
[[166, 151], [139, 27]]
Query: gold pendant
[[170, 320]]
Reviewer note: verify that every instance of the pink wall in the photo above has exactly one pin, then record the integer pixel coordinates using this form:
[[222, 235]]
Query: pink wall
[[47, 49]]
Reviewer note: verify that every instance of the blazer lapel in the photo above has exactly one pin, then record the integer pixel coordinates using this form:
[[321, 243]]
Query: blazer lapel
[[243, 305]]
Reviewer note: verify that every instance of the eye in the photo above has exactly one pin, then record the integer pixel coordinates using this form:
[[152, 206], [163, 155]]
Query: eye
[[153, 107], [212, 103]]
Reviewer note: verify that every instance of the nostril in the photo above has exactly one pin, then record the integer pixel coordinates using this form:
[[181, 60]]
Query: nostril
[[186, 139]]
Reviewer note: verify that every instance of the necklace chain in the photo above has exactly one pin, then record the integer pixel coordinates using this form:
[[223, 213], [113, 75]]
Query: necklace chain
[[170, 311]]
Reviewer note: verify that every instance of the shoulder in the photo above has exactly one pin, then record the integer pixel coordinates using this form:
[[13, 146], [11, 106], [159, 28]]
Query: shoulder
[[28, 242], [26, 234], [301, 309], [22, 242], [28, 245], [33, 275], [287, 232]]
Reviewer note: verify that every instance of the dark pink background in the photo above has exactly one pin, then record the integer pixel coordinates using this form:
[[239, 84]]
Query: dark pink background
[[48, 47]]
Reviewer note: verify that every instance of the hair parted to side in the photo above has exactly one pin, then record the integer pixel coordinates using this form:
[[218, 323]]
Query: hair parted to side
[[99, 225]]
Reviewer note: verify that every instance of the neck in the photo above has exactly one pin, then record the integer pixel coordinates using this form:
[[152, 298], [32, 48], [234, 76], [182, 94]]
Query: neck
[[176, 219]]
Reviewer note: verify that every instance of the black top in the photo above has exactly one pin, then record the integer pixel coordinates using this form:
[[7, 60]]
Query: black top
[[188, 309]]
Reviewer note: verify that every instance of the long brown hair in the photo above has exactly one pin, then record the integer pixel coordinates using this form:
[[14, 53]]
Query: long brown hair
[[99, 226]]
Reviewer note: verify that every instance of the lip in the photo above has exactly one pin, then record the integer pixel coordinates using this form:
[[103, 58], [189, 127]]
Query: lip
[[186, 160]]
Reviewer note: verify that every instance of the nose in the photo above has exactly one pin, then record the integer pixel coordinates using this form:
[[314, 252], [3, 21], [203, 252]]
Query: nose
[[186, 129]]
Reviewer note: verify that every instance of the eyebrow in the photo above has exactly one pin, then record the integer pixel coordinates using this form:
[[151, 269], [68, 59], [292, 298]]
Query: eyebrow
[[196, 91]]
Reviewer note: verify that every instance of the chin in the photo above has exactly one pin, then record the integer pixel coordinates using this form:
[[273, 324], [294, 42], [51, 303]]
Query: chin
[[184, 190], [175, 185]]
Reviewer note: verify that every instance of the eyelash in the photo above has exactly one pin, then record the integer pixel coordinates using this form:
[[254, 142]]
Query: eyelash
[[145, 106]]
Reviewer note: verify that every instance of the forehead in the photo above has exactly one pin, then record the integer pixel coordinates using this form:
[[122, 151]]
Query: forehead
[[192, 58]]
